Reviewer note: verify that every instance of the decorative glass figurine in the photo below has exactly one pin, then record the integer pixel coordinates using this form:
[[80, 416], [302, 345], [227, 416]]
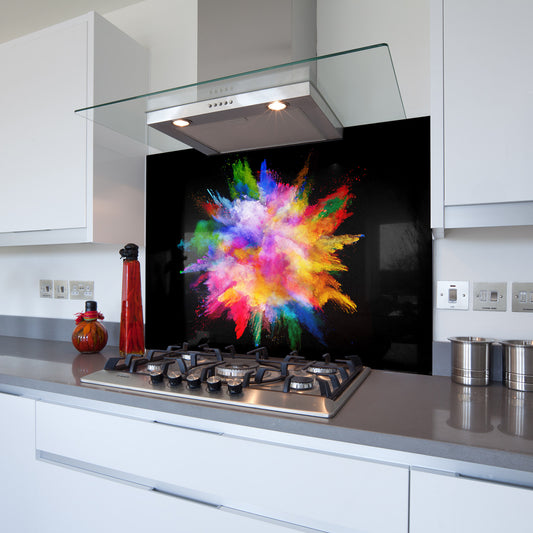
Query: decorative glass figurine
[[89, 335]]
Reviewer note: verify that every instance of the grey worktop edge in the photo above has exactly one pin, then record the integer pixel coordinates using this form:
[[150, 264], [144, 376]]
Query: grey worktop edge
[[292, 424]]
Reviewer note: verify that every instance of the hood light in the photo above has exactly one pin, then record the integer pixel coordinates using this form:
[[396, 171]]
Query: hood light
[[181, 123], [277, 105]]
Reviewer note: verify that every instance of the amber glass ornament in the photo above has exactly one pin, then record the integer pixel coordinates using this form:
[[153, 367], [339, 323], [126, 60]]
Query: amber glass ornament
[[89, 335], [131, 340]]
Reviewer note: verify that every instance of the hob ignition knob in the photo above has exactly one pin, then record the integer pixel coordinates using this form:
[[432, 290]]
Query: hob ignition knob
[[214, 383], [193, 382], [235, 386]]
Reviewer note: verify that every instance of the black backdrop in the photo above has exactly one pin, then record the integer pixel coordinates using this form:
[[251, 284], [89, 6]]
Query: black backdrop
[[390, 269]]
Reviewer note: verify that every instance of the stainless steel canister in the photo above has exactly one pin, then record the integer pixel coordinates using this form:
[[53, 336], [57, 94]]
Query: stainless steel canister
[[518, 364], [471, 360]]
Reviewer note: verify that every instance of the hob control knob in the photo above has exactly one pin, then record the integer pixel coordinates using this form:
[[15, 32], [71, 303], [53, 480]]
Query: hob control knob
[[174, 378], [193, 382], [214, 383], [156, 376], [235, 386]]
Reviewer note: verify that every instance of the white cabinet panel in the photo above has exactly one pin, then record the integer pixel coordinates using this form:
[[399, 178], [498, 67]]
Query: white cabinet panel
[[55, 166], [481, 113], [17, 463], [313, 489], [85, 503], [43, 163], [488, 111], [449, 504]]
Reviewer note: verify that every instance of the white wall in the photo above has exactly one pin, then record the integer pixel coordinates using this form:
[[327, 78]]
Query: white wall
[[402, 24], [168, 28], [483, 254]]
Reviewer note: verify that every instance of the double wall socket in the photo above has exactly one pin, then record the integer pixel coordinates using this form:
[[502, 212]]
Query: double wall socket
[[81, 290]]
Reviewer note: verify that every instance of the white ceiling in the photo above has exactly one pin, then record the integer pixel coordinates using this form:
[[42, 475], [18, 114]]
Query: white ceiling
[[19, 17]]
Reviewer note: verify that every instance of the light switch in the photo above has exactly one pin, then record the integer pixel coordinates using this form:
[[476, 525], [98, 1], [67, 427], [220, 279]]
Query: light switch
[[489, 296], [452, 295], [522, 297]]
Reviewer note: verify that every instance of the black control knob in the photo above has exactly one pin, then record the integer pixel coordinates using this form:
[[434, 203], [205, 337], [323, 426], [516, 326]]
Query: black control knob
[[235, 386], [193, 382], [156, 376], [214, 383], [174, 378]]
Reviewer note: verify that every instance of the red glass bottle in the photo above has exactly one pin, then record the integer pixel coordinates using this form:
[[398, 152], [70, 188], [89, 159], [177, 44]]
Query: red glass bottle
[[131, 339], [89, 335]]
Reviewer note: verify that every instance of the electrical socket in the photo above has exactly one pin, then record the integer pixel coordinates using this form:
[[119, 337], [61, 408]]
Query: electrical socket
[[82, 290], [46, 288], [61, 289]]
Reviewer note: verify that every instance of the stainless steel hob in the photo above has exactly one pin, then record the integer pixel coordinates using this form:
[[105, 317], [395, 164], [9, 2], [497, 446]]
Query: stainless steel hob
[[255, 380]]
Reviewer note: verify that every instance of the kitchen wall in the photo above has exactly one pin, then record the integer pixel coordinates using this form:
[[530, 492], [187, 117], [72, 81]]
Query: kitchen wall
[[168, 29]]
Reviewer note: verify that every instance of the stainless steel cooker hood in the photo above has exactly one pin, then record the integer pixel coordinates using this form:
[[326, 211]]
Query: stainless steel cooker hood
[[243, 121]]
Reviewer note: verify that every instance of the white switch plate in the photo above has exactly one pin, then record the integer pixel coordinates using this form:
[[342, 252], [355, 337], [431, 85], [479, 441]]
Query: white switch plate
[[489, 296], [452, 295]]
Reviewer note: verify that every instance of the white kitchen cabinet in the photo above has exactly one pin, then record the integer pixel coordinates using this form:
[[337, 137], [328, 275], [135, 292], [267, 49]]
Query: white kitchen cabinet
[[17, 463], [482, 113], [443, 503], [85, 503], [63, 179], [289, 485]]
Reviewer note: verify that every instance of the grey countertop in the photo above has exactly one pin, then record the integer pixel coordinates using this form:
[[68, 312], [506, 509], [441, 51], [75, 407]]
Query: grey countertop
[[413, 413]]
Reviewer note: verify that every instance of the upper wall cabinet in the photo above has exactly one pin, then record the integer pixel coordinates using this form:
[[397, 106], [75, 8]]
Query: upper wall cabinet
[[482, 113], [64, 179]]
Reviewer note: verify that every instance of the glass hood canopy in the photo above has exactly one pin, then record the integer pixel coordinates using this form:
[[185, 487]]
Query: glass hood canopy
[[322, 95]]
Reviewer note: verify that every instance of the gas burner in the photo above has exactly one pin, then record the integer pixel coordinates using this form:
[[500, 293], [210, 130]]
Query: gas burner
[[236, 368], [318, 367], [301, 382]]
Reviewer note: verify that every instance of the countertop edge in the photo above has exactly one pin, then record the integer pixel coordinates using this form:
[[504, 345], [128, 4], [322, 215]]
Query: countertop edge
[[279, 423]]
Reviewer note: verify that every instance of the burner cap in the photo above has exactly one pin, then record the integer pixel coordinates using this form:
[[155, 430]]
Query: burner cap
[[302, 382], [318, 367], [154, 367], [236, 368]]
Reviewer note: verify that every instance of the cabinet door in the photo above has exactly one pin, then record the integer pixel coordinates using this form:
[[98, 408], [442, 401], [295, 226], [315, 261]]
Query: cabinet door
[[43, 143], [488, 105], [17, 463], [73, 500], [446, 503], [300, 486]]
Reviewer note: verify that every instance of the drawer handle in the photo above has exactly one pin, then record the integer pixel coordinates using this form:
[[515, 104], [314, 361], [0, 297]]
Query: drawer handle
[[186, 498], [211, 432]]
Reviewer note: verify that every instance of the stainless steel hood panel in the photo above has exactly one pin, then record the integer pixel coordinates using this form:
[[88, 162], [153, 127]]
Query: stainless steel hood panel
[[243, 121]]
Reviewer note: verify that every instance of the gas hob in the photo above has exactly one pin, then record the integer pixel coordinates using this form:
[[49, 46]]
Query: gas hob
[[253, 380]]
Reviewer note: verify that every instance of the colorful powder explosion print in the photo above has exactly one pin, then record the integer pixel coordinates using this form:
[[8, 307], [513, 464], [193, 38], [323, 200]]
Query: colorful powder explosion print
[[268, 257]]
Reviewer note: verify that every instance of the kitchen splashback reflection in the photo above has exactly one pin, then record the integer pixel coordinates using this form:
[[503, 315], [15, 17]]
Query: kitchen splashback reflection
[[318, 248]]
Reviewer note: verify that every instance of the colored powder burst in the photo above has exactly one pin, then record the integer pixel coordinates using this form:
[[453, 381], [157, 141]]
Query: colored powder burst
[[268, 256]]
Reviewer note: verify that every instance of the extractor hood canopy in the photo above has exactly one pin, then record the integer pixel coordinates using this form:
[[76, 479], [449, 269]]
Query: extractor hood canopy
[[323, 95]]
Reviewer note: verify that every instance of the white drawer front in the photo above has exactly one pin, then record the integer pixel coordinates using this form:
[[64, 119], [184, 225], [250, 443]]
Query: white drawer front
[[314, 489]]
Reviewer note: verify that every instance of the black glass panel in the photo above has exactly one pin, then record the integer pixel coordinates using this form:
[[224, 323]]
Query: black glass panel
[[386, 274]]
